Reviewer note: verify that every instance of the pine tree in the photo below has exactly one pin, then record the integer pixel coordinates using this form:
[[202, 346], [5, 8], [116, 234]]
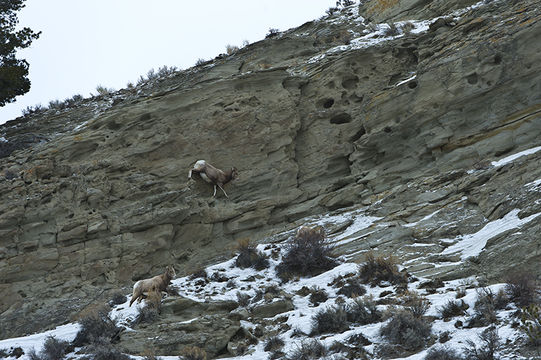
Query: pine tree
[[13, 71]]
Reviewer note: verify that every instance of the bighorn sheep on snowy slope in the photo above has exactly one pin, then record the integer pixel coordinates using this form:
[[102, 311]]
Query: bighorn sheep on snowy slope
[[157, 283], [213, 175]]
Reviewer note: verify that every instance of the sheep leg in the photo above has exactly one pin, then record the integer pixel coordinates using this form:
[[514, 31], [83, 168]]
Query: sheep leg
[[214, 190], [222, 190], [190, 174]]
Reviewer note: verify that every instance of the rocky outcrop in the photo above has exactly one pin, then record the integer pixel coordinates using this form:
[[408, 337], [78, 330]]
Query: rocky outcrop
[[314, 122]]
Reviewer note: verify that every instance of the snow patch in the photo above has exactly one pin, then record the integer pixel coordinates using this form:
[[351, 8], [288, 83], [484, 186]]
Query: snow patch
[[472, 244], [510, 158]]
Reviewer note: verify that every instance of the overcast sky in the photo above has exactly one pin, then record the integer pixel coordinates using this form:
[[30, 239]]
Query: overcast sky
[[112, 42]]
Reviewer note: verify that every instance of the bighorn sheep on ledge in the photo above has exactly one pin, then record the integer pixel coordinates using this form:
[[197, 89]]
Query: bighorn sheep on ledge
[[213, 175], [157, 283]]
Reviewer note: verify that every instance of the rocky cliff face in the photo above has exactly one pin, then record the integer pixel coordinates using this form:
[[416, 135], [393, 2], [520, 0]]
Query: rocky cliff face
[[344, 113]]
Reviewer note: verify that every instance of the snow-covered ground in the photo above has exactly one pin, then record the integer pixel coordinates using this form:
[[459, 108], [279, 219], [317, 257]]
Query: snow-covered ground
[[248, 281]]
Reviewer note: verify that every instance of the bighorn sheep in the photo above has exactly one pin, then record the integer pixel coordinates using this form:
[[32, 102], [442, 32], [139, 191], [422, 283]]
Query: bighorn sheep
[[213, 175], [157, 283]]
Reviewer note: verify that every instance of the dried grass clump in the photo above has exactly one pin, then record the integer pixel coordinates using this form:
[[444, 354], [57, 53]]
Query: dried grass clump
[[380, 270], [193, 353]]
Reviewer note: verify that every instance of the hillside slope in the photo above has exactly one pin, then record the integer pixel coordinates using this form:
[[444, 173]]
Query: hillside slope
[[339, 115]]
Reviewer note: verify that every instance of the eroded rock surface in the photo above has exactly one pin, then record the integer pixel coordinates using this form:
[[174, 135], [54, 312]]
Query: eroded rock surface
[[405, 129]]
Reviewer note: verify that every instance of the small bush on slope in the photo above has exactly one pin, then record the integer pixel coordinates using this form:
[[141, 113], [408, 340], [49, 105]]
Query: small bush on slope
[[377, 270], [531, 324], [363, 311], [441, 353], [489, 343], [414, 303], [306, 255], [407, 330], [352, 289], [53, 349], [521, 289], [308, 350], [330, 320], [274, 343], [318, 296], [250, 257], [118, 297], [453, 308], [96, 326], [484, 311], [102, 350]]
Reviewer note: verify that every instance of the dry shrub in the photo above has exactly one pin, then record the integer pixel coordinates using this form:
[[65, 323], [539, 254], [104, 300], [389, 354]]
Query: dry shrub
[[521, 289], [441, 353], [485, 348], [352, 289], [306, 255], [531, 324], [407, 330], [274, 344], [318, 296], [414, 303], [117, 298], [102, 350], [53, 349], [231, 49], [330, 320], [308, 350], [453, 308], [243, 299], [363, 311], [378, 270], [96, 327], [193, 353], [249, 256], [484, 311], [199, 273], [149, 354]]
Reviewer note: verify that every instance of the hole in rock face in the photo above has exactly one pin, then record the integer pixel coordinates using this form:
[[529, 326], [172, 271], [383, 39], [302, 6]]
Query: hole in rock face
[[326, 103], [497, 59], [341, 118], [387, 129], [350, 82], [412, 84], [358, 134], [472, 79]]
